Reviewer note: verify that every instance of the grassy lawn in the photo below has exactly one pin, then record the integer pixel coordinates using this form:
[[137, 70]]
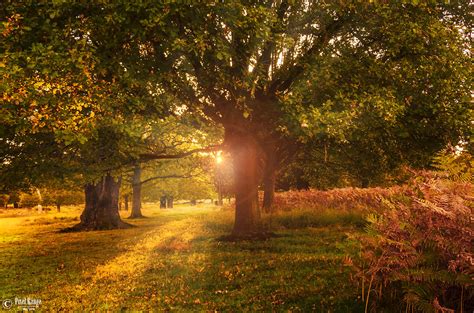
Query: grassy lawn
[[172, 261]]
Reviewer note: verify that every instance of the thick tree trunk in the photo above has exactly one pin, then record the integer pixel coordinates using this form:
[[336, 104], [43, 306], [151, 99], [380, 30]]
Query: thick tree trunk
[[169, 202], [15, 205], [244, 150], [163, 202], [58, 207], [136, 193], [101, 210]]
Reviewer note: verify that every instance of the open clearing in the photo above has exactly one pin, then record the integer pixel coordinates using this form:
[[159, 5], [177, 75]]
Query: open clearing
[[173, 261]]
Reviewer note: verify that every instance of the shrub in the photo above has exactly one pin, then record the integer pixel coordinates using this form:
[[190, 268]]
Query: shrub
[[421, 250], [29, 200], [58, 197], [311, 218], [4, 198], [360, 199], [51, 197]]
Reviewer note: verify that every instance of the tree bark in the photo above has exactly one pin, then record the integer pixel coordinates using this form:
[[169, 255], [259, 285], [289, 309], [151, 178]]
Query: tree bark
[[101, 209], [136, 193], [272, 158], [125, 199], [15, 205], [219, 198], [58, 207], [163, 202], [269, 178], [244, 151], [169, 202]]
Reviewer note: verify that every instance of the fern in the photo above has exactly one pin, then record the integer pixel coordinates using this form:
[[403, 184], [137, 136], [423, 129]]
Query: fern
[[424, 243], [457, 167]]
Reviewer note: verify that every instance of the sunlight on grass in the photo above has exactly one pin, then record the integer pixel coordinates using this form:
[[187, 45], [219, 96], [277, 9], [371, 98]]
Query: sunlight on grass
[[172, 261]]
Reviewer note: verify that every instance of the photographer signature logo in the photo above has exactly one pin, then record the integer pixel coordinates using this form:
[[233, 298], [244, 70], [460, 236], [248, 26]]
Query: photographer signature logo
[[29, 304], [7, 304]]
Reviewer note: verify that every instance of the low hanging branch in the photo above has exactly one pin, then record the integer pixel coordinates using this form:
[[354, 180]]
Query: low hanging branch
[[152, 156], [164, 177]]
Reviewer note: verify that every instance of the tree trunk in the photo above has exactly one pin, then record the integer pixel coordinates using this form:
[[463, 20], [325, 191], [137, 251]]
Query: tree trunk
[[269, 179], [163, 202], [269, 175], [169, 202], [219, 198], [244, 151], [125, 199], [58, 207], [101, 210], [15, 205], [136, 193]]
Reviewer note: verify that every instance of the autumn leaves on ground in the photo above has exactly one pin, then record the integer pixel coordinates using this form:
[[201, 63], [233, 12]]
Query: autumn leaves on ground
[[173, 260]]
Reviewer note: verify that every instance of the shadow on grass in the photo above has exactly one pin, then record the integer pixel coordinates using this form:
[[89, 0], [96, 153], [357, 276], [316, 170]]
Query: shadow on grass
[[182, 267], [47, 256], [294, 270]]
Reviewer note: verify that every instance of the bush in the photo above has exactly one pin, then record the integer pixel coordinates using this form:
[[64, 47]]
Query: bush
[[421, 250], [310, 218], [4, 198], [51, 197], [29, 200], [350, 199], [58, 197]]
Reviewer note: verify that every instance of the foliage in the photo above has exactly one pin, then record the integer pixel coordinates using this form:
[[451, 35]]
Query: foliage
[[389, 80], [421, 250], [180, 189], [51, 197], [59, 197], [301, 218], [4, 198], [455, 166], [341, 199], [185, 178], [29, 199]]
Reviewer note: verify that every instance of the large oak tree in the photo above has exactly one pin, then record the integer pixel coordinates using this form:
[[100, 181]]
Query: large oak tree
[[265, 70]]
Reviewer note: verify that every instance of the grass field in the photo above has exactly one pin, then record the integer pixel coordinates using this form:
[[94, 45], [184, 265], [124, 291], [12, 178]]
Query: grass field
[[172, 261]]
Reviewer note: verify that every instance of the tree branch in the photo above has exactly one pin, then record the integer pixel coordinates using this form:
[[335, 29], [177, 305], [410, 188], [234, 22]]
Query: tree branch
[[287, 78], [262, 66], [151, 156], [165, 177]]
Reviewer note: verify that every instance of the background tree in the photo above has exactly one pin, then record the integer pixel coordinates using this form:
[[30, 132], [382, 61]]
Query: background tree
[[55, 86], [249, 67], [264, 69]]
